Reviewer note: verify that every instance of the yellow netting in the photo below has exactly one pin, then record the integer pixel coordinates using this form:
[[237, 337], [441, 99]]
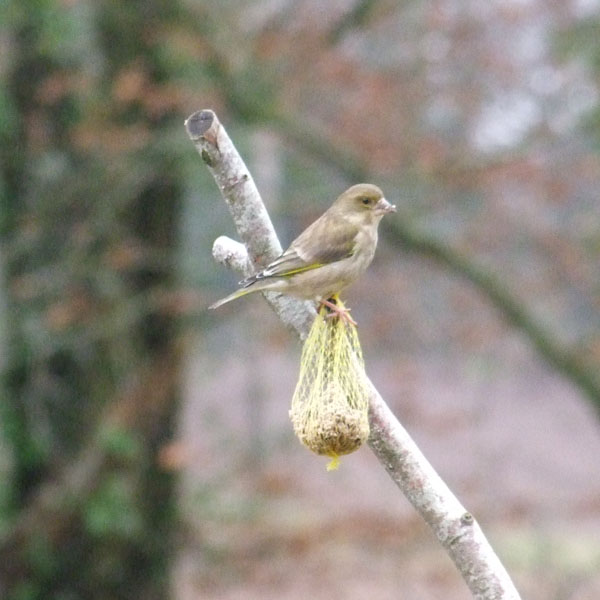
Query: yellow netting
[[331, 401]]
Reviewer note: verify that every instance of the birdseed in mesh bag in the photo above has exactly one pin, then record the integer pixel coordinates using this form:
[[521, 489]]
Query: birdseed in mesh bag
[[330, 405]]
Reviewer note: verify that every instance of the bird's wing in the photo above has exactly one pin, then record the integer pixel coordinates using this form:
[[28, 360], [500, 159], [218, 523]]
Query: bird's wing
[[320, 244]]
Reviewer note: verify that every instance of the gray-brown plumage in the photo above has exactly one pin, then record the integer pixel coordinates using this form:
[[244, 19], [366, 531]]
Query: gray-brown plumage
[[330, 254]]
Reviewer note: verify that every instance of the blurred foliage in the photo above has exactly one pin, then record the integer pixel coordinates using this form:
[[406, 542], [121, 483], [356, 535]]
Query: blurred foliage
[[580, 43], [91, 188]]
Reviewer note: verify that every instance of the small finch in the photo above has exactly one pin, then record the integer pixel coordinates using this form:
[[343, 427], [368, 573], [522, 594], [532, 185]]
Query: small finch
[[328, 255]]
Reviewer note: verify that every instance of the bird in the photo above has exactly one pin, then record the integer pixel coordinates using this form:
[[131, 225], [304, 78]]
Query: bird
[[328, 255]]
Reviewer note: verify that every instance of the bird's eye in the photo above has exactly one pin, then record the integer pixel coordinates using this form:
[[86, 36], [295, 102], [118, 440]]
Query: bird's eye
[[366, 201]]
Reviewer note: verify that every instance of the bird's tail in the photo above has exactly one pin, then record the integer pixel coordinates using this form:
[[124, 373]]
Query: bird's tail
[[236, 294]]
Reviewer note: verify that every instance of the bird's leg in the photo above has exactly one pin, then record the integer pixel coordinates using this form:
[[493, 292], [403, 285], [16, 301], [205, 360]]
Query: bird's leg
[[341, 312]]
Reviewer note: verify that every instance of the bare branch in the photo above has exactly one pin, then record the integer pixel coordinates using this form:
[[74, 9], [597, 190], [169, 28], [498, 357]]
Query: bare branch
[[559, 355], [247, 210], [454, 527]]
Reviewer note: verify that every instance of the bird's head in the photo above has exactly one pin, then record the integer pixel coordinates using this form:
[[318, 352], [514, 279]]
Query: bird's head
[[365, 201]]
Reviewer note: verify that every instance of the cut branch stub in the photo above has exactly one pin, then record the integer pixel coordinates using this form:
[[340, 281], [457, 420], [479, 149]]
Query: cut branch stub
[[199, 123]]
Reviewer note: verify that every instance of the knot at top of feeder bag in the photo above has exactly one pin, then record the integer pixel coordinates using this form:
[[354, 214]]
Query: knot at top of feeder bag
[[330, 405]]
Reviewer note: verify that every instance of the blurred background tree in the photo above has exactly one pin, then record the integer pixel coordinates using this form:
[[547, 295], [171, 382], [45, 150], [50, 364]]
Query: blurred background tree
[[480, 120]]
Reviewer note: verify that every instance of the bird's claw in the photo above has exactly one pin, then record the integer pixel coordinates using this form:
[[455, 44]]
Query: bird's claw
[[340, 313]]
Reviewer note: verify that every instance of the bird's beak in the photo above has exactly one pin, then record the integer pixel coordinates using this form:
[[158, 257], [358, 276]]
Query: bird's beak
[[383, 207]]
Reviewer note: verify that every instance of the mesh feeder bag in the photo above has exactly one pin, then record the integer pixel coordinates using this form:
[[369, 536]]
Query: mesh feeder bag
[[330, 405]]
